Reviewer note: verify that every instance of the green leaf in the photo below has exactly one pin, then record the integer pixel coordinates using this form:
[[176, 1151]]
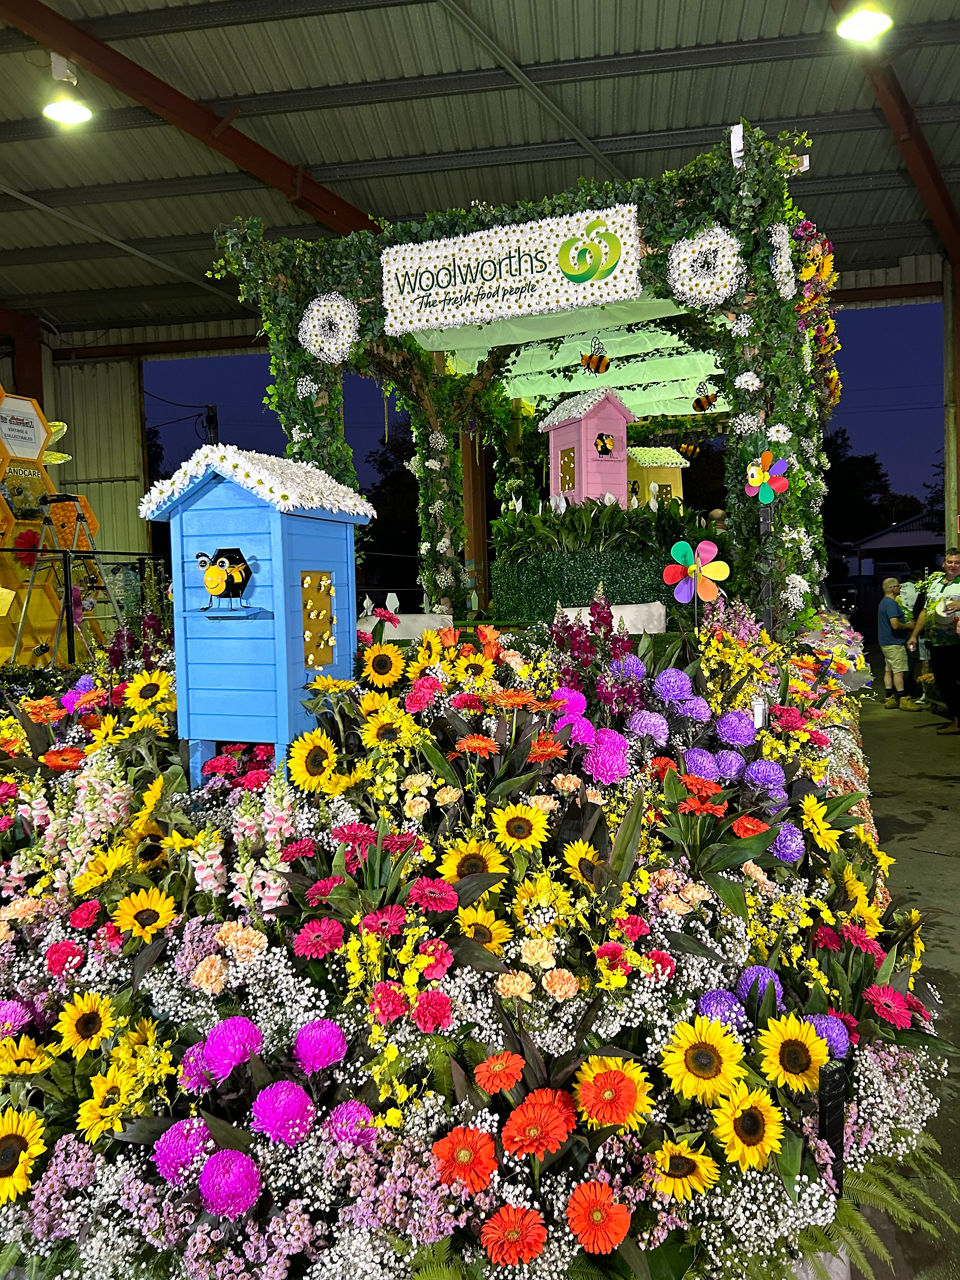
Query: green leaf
[[730, 893], [227, 1135], [472, 888], [440, 765], [624, 853], [635, 1258], [692, 946], [146, 1129], [671, 1261], [886, 969], [510, 785], [476, 956], [9, 1255], [146, 960], [790, 1154]]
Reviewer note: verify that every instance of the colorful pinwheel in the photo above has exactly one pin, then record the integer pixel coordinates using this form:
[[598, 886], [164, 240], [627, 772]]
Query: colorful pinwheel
[[766, 477], [696, 572]]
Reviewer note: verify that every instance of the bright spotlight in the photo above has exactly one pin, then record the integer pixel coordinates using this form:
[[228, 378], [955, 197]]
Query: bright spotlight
[[863, 23]]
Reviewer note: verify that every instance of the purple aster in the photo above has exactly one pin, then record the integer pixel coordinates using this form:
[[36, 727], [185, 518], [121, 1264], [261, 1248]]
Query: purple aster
[[788, 846], [736, 729], [230, 1043], [229, 1184], [319, 1044], [628, 668], [351, 1122], [284, 1112], [778, 800], [833, 1031], [702, 763], [607, 761], [723, 1006], [193, 1074], [730, 765], [178, 1152], [572, 700], [650, 724], [672, 685], [765, 775], [697, 709], [85, 684], [14, 1016], [582, 732], [762, 976]]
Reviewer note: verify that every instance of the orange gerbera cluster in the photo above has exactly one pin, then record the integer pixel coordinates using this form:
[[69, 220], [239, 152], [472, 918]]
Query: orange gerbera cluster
[[599, 1223], [43, 710], [63, 759], [542, 1123], [546, 747], [501, 1071], [468, 1156], [513, 1235], [694, 805], [476, 744], [702, 788]]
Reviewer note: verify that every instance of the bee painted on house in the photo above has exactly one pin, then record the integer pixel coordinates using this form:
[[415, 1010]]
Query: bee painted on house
[[225, 576], [597, 360], [705, 399], [604, 445]]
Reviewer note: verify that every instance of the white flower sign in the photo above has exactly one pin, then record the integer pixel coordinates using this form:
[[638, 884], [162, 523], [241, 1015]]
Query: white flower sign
[[554, 264]]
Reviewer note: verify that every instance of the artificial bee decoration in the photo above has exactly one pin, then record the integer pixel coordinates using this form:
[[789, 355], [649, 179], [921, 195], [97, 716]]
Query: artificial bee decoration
[[689, 451], [604, 445], [597, 361], [225, 576], [705, 399]]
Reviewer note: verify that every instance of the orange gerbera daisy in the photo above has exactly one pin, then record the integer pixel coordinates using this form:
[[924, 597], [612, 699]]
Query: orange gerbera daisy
[[594, 1217], [699, 787], [500, 1071], [693, 804], [513, 1235], [613, 1091], [538, 1125], [546, 747], [477, 744], [510, 699], [63, 759], [468, 1156], [43, 710]]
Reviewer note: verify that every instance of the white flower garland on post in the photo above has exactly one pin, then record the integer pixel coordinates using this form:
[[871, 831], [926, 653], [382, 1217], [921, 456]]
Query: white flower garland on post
[[781, 260], [706, 269]]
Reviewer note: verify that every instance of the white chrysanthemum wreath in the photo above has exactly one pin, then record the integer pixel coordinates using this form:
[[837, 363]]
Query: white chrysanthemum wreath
[[781, 260], [706, 269], [328, 328]]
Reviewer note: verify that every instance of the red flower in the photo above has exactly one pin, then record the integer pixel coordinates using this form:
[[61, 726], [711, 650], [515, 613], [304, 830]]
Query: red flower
[[661, 766], [693, 804], [545, 747], [389, 1002], [441, 958], [318, 938], [466, 702], [85, 916], [501, 1071], [827, 938], [849, 1021], [263, 753], [255, 780], [422, 694], [402, 842], [860, 939], [25, 542], [364, 637], [513, 1235], [533, 1129], [8, 791], [746, 826], [477, 744], [64, 957], [699, 787], [117, 696], [432, 1011], [299, 849], [63, 759], [917, 1006], [224, 765], [385, 923], [819, 739], [663, 964], [386, 616], [321, 890], [633, 928], [468, 1156], [108, 937], [433, 895], [597, 1221], [613, 953], [890, 1005]]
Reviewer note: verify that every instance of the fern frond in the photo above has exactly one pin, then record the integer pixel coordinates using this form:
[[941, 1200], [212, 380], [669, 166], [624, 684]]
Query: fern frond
[[911, 1191], [870, 1189], [855, 1235]]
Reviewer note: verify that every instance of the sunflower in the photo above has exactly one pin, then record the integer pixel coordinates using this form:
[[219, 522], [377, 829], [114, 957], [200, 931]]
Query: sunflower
[[144, 913], [310, 759], [749, 1126], [472, 858], [473, 668], [814, 813], [106, 734], [150, 852], [682, 1172], [582, 861], [612, 1091], [520, 826], [329, 684], [484, 927], [371, 701], [386, 730], [702, 1060], [113, 1095], [146, 720], [86, 1021], [22, 1058], [21, 1141], [150, 689], [430, 647], [793, 1053], [103, 866], [382, 665]]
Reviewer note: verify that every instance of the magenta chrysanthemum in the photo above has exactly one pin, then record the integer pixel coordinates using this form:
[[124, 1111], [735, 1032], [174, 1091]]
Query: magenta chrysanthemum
[[607, 760], [180, 1150], [193, 1074], [229, 1184], [284, 1112], [319, 1044], [14, 1016], [351, 1122], [229, 1044]]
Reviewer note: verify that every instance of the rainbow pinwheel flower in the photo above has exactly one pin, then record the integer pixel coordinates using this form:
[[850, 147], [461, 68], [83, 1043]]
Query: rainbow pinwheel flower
[[766, 477], [696, 572]]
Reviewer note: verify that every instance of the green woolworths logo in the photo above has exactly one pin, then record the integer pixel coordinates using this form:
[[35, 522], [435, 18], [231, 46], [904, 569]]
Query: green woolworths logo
[[582, 258]]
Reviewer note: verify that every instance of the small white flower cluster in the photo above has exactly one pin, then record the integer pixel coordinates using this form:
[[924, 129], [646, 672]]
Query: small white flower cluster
[[437, 441], [794, 592], [433, 464], [744, 423], [108, 1250], [751, 1215], [781, 260], [706, 269], [414, 466], [328, 328], [279, 999], [357, 1252], [893, 1101], [306, 387], [802, 539], [779, 433], [742, 325], [747, 381]]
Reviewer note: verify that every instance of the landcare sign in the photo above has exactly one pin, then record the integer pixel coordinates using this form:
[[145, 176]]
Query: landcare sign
[[530, 268]]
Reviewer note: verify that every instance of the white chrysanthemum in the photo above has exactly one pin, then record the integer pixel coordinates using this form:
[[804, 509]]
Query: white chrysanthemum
[[779, 433], [781, 260], [329, 327], [742, 325], [744, 423], [747, 381], [437, 441], [706, 269]]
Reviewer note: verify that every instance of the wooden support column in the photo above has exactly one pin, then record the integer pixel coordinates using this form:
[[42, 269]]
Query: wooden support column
[[26, 334], [475, 515], [951, 416]]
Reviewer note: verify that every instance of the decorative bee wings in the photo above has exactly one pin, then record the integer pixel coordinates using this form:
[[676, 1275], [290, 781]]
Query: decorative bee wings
[[766, 478], [696, 572]]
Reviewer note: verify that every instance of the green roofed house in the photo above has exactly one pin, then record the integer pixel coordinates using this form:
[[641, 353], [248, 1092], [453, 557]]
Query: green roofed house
[[650, 465]]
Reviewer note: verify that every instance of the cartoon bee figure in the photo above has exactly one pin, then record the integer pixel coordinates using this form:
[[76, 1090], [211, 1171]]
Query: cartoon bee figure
[[689, 450], [705, 399], [225, 576], [597, 360], [604, 445]]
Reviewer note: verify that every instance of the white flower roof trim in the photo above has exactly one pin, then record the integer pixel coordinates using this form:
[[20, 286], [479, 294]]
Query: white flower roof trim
[[578, 405], [653, 456], [280, 482]]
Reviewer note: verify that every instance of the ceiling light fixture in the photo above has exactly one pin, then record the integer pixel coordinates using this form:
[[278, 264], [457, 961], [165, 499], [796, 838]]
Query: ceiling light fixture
[[863, 23], [66, 106]]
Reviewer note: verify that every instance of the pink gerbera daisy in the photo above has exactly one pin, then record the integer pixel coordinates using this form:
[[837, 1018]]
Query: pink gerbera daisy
[[433, 895], [827, 938], [889, 1005], [860, 939]]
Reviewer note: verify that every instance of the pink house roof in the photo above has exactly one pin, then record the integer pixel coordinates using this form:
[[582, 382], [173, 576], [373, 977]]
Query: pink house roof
[[578, 406]]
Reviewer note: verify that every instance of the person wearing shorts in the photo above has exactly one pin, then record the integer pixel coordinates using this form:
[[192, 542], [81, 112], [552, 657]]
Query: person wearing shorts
[[892, 632], [940, 623]]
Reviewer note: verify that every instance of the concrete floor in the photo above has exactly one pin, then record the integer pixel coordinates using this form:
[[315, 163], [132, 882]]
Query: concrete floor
[[915, 781]]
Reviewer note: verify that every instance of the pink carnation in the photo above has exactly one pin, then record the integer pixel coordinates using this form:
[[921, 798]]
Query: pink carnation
[[819, 739], [229, 1184], [634, 927], [318, 938], [284, 1112], [388, 1002], [422, 694], [663, 964], [466, 702], [364, 637], [321, 891], [108, 937], [177, 1151], [223, 765], [8, 791], [432, 1011], [299, 849], [263, 753], [387, 922], [64, 957], [441, 958], [255, 780], [613, 953], [433, 895], [85, 916], [889, 1004]]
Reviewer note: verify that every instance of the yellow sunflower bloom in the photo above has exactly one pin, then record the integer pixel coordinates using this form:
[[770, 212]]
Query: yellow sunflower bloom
[[144, 913], [383, 665], [150, 689], [114, 1097], [582, 861], [310, 759], [148, 721], [21, 1141], [150, 851], [519, 826], [474, 668], [103, 866], [106, 734], [328, 684], [372, 701], [387, 730], [430, 647], [793, 1053], [22, 1058], [484, 927], [814, 812], [702, 1060], [472, 858], [749, 1126], [683, 1172], [85, 1022], [612, 1091], [541, 904]]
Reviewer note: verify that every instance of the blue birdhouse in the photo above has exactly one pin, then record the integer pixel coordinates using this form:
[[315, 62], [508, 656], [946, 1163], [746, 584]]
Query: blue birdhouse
[[264, 592]]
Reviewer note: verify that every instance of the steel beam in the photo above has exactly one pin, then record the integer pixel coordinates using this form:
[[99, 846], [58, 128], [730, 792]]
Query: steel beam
[[26, 334], [173, 346], [888, 292], [57, 33], [141, 293]]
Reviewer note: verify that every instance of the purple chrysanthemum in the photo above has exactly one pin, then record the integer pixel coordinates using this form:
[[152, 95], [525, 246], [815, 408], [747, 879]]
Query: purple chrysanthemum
[[351, 1122], [650, 724], [730, 765], [736, 729], [833, 1031], [788, 846], [319, 1044], [193, 1074], [14, 1016], [284, 1112], [702, 763], [230, 1043], [762, 976], [696, 709], [179, 1151], [229, 1184], [629, 667], [723, 1006], [765, 775], [607, 760], [574, 703], [777, 801], [672, 685]]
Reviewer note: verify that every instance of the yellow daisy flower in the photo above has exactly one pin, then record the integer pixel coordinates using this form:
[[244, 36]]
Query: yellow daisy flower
[[519, 826], [150, 689], [21, 1141], [793, 1053], [749, 1126], [702, 1060], [814, 813], [471, 858], [144, 913], [310, 759], [382, 665], [114, 1095], [484, 927], [682, 1172], [582, 861], [541, 904], [85, 1022]]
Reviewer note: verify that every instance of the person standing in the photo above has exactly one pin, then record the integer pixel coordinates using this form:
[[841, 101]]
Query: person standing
[[892, 632], [939, 622]]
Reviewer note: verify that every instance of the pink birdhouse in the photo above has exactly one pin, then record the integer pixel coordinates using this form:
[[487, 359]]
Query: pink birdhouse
[[588, 446]]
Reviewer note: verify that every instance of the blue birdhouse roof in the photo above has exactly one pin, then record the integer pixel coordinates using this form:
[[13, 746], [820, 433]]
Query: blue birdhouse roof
[[279, 482]]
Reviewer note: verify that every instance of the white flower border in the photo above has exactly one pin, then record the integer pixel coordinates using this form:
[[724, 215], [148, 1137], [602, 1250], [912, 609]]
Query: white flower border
[[781, 260]]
